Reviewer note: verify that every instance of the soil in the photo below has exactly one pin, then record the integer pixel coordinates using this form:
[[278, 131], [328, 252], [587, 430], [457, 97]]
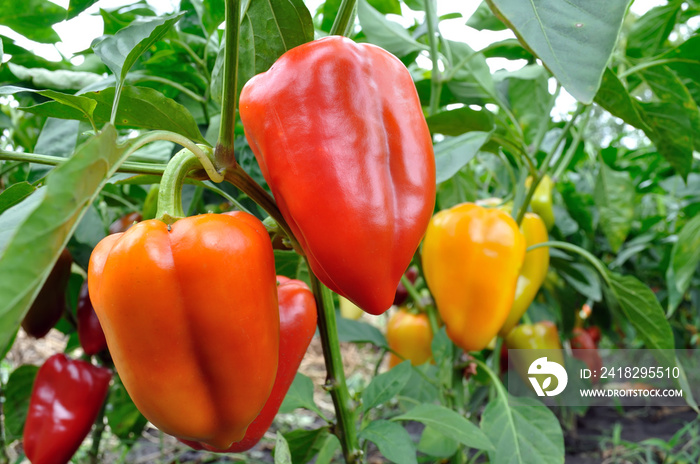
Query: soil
[[589, 440]]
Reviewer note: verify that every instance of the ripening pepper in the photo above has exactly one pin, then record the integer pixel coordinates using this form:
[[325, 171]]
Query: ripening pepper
[[90, 333], [541, 335], [66, 398], [533, 272], [471, 261], [124, 222], [340, 136], [410, 336], [585, 349], [541, 202], [297, 309], [50, 303], [190, 316]]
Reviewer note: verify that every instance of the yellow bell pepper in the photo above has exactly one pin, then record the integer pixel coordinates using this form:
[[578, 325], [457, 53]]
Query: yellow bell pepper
[[471, 261]]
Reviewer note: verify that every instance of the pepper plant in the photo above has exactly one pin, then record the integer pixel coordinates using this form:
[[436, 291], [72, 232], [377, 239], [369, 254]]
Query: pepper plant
[[339, 150]]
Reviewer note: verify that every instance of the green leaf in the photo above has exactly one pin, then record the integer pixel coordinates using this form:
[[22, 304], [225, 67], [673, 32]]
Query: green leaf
[[434, 443], [614, 97], [614, 197], [583, 279], [32, 18], [305, 444], [124, 419], [14, 194], [387, 34], [392, 440], [671, 132], [121, 50], [18, 391], [527, 94], [453, 153], [648, 33], [641, 308], [268, 29], [359, 332], [58, 137], [509, 49], [468, 75], [282, 454], [211, 13], [60, 79], [449, 423], [458, 121], [685, 258], [75, 7], [34, 232], [385, 386], [300, 395], [522, 431], [289, 263], [83, 104], [330, 446], [483, 18], [139, 107], [574, 39]]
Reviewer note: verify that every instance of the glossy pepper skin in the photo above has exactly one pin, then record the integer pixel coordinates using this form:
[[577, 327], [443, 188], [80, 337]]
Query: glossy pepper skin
[[191, 321], [297, 309], [410, 336], [541, 202], [340, 136], [90, 333], [66, 398], [50, 303], [538, 336], [532, 274], [471, 261]]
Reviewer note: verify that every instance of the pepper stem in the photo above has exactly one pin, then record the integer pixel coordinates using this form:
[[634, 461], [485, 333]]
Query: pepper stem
[[170, 193], [335, 375]]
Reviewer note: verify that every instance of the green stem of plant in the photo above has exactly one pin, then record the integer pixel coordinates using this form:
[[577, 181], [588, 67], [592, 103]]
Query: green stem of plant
[[170, 193], [595, 262], [201, 62], [238, 177], [411, 289], [344, 19], [335, 375], [97, 435], [545, 163], [435, 83], [564, 161], [224, 154], [127, 167], [117, 95], [651, 64]]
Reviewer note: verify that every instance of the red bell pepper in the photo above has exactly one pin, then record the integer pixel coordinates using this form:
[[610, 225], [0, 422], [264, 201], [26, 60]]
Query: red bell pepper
[[90, 333], [586, 350], [297, 327], [65, 401], [340, 136]]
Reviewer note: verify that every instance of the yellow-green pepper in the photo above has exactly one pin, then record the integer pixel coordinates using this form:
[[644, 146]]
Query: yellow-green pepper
[[541, 202]]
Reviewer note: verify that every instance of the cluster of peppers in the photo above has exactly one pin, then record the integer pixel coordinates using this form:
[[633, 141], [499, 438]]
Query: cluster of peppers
[[335, 126]]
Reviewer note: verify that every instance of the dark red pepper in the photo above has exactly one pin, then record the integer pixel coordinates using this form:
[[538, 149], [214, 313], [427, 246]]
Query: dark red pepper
[[50, 303], [66, 399], [124, 222], [297, 327], [401, 291], [90, 333], [585, 349], [594, 333]]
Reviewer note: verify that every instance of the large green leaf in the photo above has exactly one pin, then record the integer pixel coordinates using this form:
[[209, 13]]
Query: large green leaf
[[387, 34], [614, 196], [17, 393], [83, 104], [121, 50], [574, 39], [268, 29], [483, 18], [453, 153], [300, 395], [385, 386], [32, 18], [526, 93], [641, 308], [34, 232], [614, 97], [139, 107], [305, 444], [460, 120], [282, 454], [393, 441], [671, 130], [75, 7], [685, 258], [522, 431], [359, 332], [450, 424], [59, 79]]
